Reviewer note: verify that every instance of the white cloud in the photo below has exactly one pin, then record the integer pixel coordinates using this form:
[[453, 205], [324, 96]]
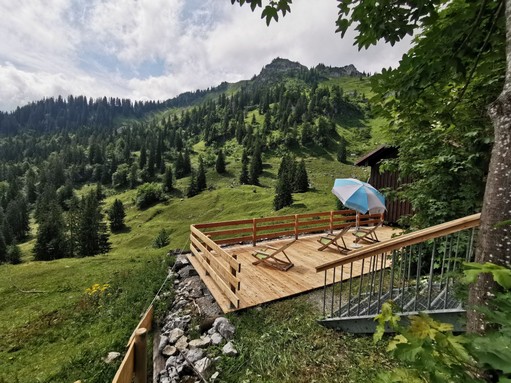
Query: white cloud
[[103, 47]]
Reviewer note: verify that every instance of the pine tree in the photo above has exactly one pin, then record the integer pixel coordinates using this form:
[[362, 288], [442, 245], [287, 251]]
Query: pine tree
[[116, 216], [341, 151], [220, 162], [133, 176], [301, 179], [179, 166], [283, 189], [193, 189], [151, 163], [256, 165], [143, 158], [201, 176], [167, 179], [3, 248], [92, 233], [51, 242], [244, 180], [187, 163]]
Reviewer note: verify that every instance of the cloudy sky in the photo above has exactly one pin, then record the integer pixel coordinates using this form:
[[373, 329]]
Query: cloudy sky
[[157, 49]]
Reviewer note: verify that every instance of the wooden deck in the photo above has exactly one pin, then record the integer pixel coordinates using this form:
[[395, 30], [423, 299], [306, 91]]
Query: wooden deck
[[261, 284]]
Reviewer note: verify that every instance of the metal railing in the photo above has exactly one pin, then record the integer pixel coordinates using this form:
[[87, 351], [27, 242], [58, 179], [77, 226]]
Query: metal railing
[[416, 271]]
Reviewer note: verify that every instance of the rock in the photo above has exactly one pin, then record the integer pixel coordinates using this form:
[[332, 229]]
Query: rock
[[181, 262], [164, 340], [182, 343], [229, 349], [216, 339], [169, 350], [224, 327], [214, 376], [174, 335], [111, 357], [200, 343], [194, 354], [206, 324], [165, 379], [187, 271], [203, 366]]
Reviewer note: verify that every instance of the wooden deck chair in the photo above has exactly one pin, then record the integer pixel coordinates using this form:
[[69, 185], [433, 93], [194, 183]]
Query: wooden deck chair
[[268, 257], [333, 240], [367, 234]]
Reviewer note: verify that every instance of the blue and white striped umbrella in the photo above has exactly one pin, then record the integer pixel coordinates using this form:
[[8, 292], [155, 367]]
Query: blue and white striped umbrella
[[359, 196]]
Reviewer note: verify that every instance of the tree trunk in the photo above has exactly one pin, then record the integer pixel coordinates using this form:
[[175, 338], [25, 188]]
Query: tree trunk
[[494, 242]]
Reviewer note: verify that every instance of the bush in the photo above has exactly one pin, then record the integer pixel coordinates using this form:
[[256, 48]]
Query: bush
[[148, 194], [162, 239], [14, 255]]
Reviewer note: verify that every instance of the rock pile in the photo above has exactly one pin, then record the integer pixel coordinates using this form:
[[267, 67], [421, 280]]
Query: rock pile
[[194, 311]]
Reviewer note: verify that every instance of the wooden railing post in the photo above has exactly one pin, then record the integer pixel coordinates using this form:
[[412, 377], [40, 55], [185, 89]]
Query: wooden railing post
[[296, 226], [331, 221], [254, 232], [141, 355]]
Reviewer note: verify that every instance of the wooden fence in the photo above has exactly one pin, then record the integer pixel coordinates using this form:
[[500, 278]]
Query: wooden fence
[[224, 269], [134, 364]]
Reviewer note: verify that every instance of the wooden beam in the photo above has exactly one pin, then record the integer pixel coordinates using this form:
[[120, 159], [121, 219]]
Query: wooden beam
[[212, 245]]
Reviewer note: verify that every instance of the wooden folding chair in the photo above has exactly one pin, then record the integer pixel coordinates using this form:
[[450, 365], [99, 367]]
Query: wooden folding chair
[[333, 240], [367, 234], [268, 257]]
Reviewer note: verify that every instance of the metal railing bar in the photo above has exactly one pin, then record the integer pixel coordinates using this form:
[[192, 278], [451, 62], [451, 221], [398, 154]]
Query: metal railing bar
[[417, 278], [360, 286], [340, 288], [391, 285], [333, 293], [431, 268], [350, 293], [324, 296], [382, 272]]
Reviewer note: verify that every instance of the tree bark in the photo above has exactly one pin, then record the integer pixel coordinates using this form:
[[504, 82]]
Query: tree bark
[[494, 241]]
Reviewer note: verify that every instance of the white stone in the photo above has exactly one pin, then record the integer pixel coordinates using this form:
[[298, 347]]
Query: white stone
[[216, 339], [174, 335], [169, 350], [200, 343], [112, 356], [229, 349]]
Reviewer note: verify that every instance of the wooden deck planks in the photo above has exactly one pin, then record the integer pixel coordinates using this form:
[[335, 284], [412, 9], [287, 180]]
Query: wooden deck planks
[[261, 284]]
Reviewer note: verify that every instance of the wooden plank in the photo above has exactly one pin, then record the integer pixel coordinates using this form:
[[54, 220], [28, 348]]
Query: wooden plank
[[226, 257], [314, 229], [274, 219], [145, 322], [219, 233], [313, 222], [275, 226], [275, 235], [226, 290], [310, 215], [233, 241], [125, 372], [224, 273], [224, 223]]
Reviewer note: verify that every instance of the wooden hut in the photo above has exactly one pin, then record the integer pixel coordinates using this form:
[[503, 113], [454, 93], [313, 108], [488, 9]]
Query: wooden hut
[[386, 180]]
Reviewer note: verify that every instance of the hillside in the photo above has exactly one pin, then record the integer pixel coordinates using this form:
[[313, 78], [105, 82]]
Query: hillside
[[44, 307]]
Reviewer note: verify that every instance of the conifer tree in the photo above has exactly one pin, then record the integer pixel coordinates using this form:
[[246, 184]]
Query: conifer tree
[[116, 216], [201, 176], [179, 166], [92, 232], [341, 151], [283, 189], [143, 158], [256, 165], [187, 163], [193, 189], [151, 163], [301, 179], [220, 162], [51, 242], [3, 248], [167, 179], [244, 180], [133, 176]]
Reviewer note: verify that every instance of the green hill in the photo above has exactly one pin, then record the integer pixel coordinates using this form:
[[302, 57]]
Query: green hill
[[52, 328]]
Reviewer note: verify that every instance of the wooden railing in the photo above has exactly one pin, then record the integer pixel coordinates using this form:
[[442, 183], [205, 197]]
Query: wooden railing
[[216, 263], [134, 364], [258, 229]]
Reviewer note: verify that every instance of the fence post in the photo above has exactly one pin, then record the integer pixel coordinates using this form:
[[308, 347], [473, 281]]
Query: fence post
[[331, 221], [296, 226], [141, 355], [254, 231]]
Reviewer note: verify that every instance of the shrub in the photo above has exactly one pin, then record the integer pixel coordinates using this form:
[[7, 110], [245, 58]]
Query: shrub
[[162, 239], [148, 194]]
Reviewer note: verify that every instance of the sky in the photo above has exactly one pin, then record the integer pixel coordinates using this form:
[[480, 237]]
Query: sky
[[157, 49]]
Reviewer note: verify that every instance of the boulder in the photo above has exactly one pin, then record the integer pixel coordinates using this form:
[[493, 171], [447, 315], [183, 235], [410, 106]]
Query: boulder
[[112, 357], [164, 340], [204, 367], [194, 354], [169, 350], [216, 339], [229, 349], [200, 343], [224, 327], [182, 343], [174, 335]]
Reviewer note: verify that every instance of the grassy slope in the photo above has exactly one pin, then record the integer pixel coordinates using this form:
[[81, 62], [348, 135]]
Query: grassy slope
[[53, 322]]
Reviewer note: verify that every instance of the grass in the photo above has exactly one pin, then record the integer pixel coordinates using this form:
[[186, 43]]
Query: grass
[[282, 342]]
